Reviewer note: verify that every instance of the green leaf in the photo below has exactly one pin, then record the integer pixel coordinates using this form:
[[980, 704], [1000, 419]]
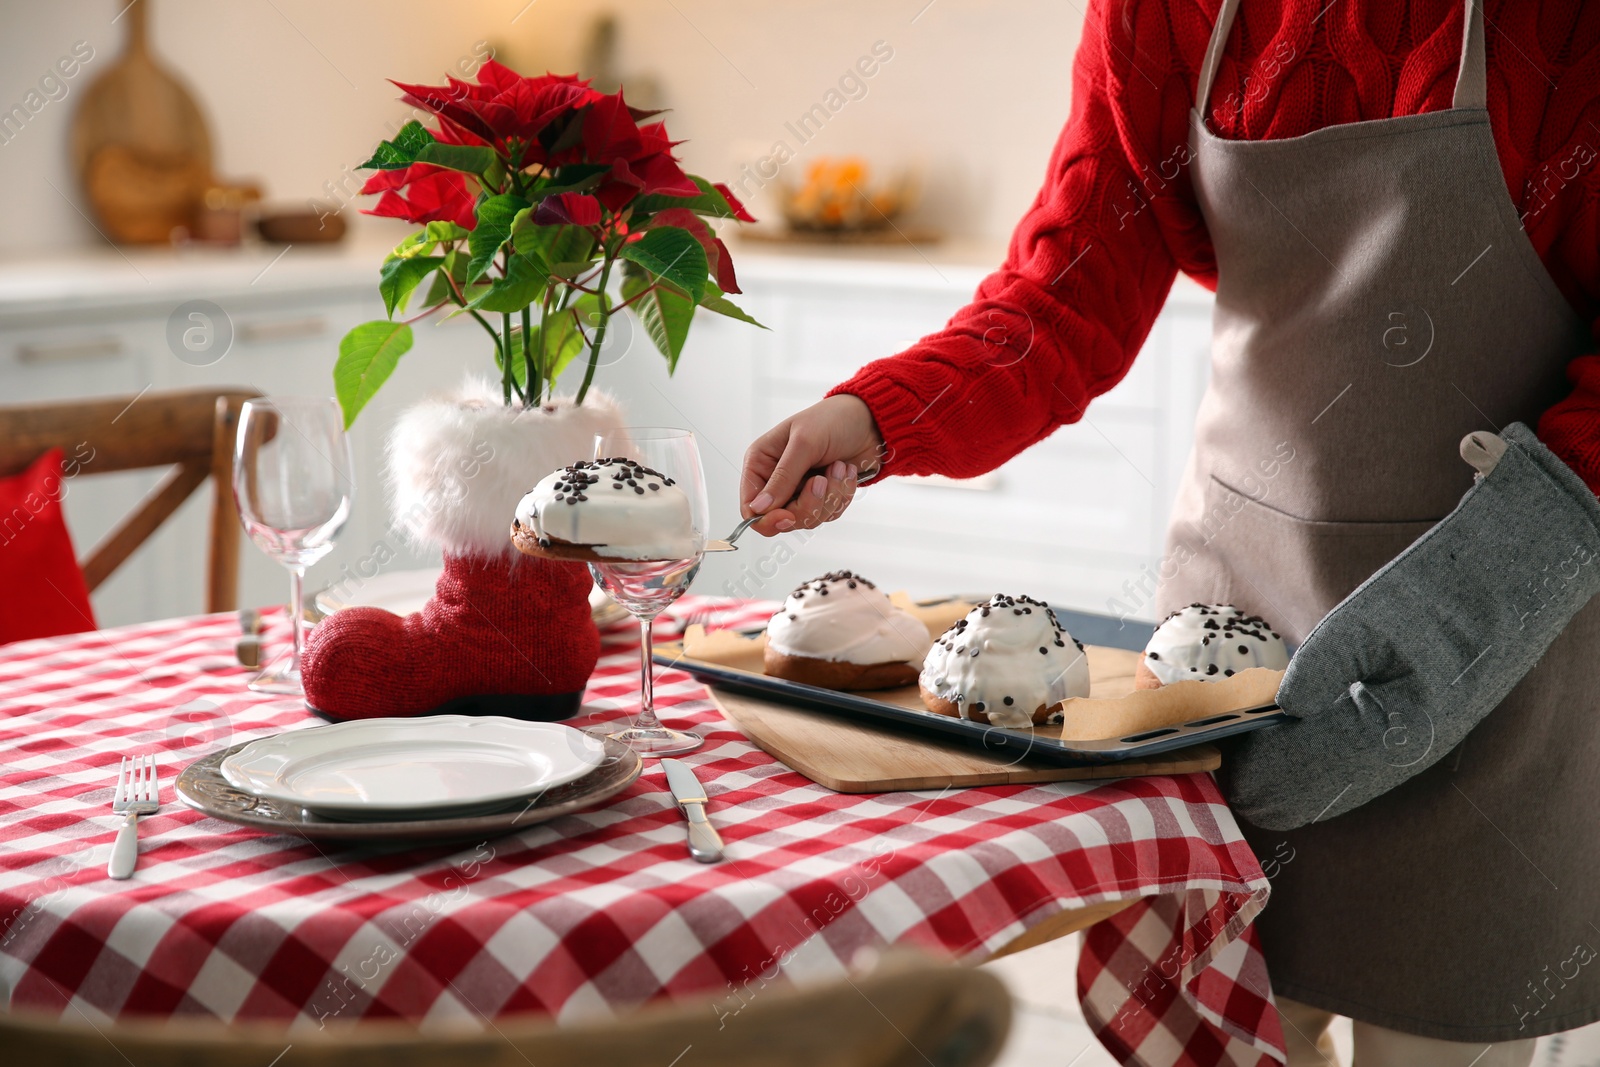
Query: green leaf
[[467, 158], [426, 240], [455, 264], [552, 242], [569, 270], [367, 356], [519, 369], [414, 244], [495, 216], [566, 341], [573, 178], [524, 283], [526, 235], [713, 300], [400, 276], [446, 231], [572, 244], [402, 151], [709, 202], [664, 314], [674, 256], [494, 175], [438, 290]]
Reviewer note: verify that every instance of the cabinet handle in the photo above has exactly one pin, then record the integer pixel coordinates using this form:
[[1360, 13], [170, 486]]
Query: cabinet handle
[[282, 329], [70, 351]]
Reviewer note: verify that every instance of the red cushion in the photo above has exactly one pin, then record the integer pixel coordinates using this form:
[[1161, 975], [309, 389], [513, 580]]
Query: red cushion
[[42, 592]]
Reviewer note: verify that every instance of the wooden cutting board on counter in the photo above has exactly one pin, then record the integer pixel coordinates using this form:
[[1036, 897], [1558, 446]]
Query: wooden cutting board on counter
[[856, 757], [140, 144]]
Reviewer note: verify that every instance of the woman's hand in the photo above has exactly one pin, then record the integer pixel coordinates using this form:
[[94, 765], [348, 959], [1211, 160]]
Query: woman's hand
[[804, 470]]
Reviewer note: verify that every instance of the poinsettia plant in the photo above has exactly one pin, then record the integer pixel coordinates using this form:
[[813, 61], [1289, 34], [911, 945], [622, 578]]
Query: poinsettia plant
[[532, 193]]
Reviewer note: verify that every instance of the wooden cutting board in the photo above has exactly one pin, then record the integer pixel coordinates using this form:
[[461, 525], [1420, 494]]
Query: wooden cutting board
[[855, 757], [140, 144]]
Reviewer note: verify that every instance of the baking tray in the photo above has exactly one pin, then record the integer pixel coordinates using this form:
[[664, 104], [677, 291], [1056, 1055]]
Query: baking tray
[[1090, 628]]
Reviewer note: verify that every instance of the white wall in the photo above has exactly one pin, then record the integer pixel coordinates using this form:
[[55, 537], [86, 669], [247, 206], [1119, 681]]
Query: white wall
[[295, 93]]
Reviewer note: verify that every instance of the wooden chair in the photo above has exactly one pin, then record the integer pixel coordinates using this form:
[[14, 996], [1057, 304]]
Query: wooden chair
[[909, 1012], [192, 428]]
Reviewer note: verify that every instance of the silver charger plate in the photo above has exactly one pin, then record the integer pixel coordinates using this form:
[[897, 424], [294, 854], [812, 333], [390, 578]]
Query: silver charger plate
[[201, 786]]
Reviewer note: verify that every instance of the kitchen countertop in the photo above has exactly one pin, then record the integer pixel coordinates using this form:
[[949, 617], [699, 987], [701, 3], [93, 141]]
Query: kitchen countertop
[[111, 280]]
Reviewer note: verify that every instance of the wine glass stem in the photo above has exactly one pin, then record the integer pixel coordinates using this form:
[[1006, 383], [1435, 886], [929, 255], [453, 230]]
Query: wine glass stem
[[647, 679], [297, 612]]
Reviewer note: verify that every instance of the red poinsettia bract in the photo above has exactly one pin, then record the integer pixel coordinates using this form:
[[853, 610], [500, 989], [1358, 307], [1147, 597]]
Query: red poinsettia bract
[[528, 122]]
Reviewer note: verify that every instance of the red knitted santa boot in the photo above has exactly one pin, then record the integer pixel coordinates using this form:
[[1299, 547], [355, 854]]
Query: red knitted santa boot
[[504, 634]]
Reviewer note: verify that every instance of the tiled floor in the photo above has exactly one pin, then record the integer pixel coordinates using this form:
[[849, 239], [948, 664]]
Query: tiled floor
[[1048, 1029]]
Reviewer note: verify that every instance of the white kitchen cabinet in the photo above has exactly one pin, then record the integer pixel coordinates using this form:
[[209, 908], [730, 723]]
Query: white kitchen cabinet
[[1071, 519]]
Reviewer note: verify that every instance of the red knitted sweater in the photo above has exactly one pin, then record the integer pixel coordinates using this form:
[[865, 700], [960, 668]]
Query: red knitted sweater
[[1112, 211]]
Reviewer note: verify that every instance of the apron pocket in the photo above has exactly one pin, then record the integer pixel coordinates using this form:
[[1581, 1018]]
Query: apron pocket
[[1290, 570]]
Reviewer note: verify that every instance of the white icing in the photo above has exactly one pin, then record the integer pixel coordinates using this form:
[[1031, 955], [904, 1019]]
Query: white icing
[[620, 508], [1209, 642], [845, 618], [1005, 659]]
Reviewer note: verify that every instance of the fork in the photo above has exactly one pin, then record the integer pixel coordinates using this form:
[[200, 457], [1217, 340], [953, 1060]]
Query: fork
[[138, 793]]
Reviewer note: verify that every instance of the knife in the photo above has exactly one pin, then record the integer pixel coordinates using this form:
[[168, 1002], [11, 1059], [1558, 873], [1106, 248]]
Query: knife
[[704, 844]]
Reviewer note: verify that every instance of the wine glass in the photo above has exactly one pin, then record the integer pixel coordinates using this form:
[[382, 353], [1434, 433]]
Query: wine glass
[[646, 587], [292, 482]]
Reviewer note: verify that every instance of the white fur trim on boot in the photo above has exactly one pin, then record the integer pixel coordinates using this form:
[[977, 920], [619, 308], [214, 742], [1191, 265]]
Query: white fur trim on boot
[[460, 461]]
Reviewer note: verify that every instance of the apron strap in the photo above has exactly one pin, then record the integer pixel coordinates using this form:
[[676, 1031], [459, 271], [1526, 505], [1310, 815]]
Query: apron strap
[[1208, 68], [1471, 79]]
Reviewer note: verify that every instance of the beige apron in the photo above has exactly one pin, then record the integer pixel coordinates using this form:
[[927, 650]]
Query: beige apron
[[1377, 300]]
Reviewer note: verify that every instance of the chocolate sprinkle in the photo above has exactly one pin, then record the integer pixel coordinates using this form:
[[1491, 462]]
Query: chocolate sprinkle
[[821, 585]]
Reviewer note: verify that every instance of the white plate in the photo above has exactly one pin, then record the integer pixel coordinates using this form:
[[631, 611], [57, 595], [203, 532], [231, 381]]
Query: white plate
[[404, 592], [436, 766]]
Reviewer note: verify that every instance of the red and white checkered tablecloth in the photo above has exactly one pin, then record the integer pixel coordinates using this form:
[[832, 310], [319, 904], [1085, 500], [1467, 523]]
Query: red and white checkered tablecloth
[[593, 912]]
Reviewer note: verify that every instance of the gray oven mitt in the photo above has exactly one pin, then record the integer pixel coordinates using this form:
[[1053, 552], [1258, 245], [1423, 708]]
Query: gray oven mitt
[[1398, 673]]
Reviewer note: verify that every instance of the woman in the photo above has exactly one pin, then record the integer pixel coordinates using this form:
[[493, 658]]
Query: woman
[[1396, 205]]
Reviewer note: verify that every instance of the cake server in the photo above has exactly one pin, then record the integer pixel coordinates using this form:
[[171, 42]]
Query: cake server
[[704, 843], [727, 543]]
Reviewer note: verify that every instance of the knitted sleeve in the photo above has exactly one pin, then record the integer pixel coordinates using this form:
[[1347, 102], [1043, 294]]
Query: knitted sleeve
[[1059, 323]]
